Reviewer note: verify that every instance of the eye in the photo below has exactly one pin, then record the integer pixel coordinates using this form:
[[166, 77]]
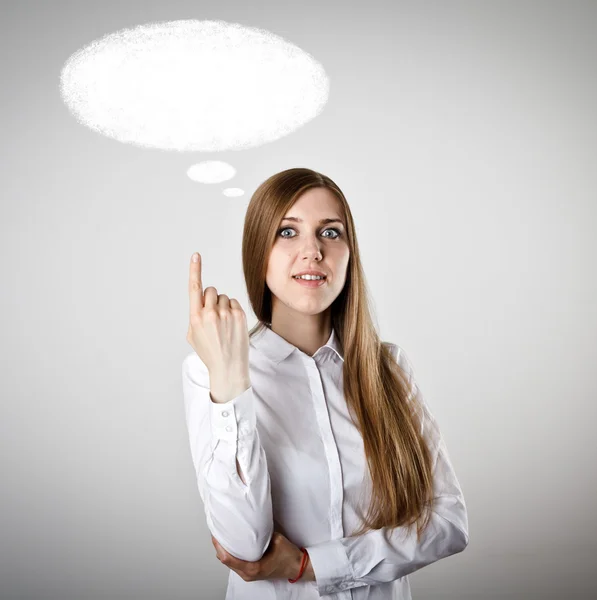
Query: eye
[[338, 233]]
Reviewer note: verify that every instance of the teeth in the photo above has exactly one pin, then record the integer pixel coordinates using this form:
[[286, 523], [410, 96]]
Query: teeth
[[309, 277]]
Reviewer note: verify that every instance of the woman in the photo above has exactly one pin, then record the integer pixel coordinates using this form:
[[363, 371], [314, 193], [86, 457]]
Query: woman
[[319, 464]]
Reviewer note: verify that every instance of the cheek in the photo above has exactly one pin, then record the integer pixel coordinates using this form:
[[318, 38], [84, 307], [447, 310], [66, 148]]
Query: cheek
[[279, 283], [278, 261], [279, 268]]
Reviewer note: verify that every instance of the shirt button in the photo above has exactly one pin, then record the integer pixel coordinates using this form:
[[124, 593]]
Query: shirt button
[[228, 428], [225, 413]]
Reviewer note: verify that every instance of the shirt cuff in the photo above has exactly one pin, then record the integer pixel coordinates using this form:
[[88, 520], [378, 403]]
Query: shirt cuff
[[233, 419], [332, 569]]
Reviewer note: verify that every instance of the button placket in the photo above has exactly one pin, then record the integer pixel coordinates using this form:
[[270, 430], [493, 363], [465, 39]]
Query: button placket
[[331, 450]]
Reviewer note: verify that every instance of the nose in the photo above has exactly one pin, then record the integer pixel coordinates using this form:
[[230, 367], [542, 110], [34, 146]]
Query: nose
[[311, 249]]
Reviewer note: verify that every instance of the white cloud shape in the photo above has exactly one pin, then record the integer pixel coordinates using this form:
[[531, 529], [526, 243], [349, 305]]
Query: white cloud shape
[[211, 171], [193, 85], [233, 192]]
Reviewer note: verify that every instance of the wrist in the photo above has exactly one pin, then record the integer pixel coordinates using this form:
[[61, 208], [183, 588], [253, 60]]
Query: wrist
[[295, 567], [295, 564], [223, 390], [309, 573]]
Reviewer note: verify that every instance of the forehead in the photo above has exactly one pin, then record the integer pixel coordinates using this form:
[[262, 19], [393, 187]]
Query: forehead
[[316, 204]]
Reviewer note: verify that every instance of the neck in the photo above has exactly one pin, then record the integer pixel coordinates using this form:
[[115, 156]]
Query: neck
[[308, 334]]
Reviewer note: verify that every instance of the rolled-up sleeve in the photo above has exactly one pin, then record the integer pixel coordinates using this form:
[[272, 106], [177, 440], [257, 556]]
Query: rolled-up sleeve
[[387, 554], [238, 515]]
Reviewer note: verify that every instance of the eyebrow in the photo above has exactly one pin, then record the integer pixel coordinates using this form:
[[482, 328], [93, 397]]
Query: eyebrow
[[322, 221]]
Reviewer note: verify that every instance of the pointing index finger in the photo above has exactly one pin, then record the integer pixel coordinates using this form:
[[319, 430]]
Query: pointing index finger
[[195, 285]]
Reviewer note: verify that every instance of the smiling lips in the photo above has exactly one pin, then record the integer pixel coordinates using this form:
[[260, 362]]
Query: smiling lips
[[310, 272], [310, 283]]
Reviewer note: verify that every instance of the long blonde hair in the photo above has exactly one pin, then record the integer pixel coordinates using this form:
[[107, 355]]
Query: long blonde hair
[[376, 389]]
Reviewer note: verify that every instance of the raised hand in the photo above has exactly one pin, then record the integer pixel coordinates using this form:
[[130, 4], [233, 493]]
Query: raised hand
[[218, 333]]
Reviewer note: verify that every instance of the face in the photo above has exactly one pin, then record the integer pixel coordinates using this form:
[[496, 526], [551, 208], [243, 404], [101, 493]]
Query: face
[[305, 245]]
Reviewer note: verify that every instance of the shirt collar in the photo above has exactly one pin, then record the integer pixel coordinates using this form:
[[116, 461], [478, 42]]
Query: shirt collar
[[276, 348]]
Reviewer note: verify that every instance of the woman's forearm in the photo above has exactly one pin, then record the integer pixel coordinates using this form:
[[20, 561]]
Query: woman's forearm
[[221, 392]]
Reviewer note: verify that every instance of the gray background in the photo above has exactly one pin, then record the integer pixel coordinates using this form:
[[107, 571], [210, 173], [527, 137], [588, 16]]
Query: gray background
[[464, 137]]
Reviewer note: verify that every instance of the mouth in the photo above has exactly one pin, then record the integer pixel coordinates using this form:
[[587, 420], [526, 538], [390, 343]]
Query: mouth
[[310, 283]]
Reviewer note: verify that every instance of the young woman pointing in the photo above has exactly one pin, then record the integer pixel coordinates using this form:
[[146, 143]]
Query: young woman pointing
[[319, 464]]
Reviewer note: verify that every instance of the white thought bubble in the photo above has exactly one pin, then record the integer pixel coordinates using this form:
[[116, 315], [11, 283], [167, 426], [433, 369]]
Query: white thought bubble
[[211, 171], [193, 86]]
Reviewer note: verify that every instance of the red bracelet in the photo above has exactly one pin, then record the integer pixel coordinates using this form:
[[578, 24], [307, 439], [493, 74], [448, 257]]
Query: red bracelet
[[303, 566]]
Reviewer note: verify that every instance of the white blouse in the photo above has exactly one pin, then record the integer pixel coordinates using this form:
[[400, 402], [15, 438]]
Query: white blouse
[[306, 476]]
